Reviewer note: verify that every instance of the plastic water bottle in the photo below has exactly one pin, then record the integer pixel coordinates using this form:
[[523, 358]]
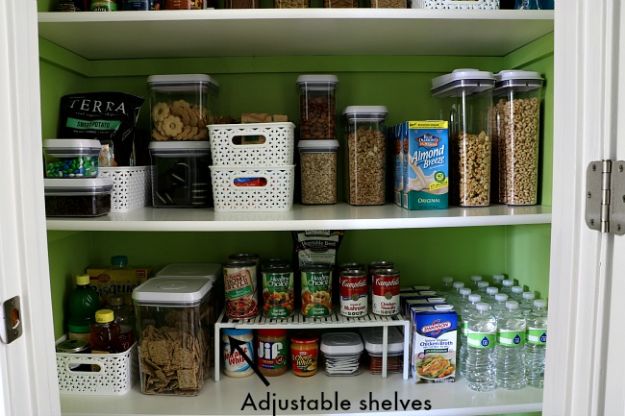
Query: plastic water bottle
[[491, 291], [454, 295], [536, 344], [499, 307], [481, 286], [475, 279], [510, 343], [517, 293], [506, 286], [463, 298], [447, 286], [497, 279], [527, 304], [465, 313], [481, 339]]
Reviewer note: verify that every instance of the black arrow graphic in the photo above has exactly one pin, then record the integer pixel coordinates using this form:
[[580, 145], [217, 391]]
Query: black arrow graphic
[[237, 345]]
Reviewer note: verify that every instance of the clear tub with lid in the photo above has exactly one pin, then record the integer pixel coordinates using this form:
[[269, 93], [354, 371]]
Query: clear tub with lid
[[366, 154], [341, 353], [517, 119], [317, 106], [180, 174], [318, 163], [467, 95], [340, 4], [208, 271], [291, 4], [71, 158], [374, 346], [173, 338], [78, 197], [181, 106]]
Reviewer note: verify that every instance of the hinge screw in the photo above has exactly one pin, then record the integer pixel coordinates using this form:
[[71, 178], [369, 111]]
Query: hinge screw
[[618, 227], [589, 195], [594, 167], [620, 168], [592, 222], [623, 198]]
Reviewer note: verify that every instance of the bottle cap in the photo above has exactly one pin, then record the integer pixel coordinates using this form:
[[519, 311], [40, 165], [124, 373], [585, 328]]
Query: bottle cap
[[476, 278], [483, 307], [508, 283], [512, 305], [465, 291], [458, 285], [482, 284], [116, 300], [529, 295], [498, 277], [78, 328], [501, 297], [104, 316], [119, 261], [517, 289], [474, 298], [492, 290], [82, 280], [447, 279], [540, 303]]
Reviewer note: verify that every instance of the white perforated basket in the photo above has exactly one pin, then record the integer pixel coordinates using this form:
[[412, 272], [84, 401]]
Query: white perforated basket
[[277, 149], [131, 187], [456, 4], [230, 192], [116, 375]]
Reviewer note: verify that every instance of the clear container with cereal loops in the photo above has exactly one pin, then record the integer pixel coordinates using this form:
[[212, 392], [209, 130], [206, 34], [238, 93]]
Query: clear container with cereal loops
[[180, 174], [341, 353], [317, 106], [467, 95], [374, 346], [366, 154], [84, 197], [173, 338], [517, 109], [71, 158], [182, 105], [318, 163], [291, 4]]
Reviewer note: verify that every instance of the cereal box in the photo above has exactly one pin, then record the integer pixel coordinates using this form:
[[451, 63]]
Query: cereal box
[[434, 344]]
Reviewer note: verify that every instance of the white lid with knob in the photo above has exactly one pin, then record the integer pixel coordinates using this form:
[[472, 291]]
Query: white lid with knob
[[529, 295], [508, 283], [517, 290], [492, 290], [475, 298], [501, 297]]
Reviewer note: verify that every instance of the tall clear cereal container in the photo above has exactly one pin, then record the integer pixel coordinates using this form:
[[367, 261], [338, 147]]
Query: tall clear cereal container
[[317, 106], [467, 95], [318, 163], [291, 4], [517, 109], [173, 337], [366, 154], [182, 105]]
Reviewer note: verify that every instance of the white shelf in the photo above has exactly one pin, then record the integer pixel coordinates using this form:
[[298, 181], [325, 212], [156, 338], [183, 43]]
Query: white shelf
[[328, 217], [282, 32], [227, 396]]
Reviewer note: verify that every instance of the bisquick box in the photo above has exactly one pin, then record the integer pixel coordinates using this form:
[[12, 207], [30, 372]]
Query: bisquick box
[[109, 281]]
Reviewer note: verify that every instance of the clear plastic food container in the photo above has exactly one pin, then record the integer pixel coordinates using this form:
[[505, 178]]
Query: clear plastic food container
[[182, 105], [180, 174], [318, 163], [389, 4], [241, 4], [341, 353], [375, 347], [317, 106], [468, 104], [517, 110], [340, 4], [366, 154], [78, 197], [71, 158], [291, 4], [173, 338]]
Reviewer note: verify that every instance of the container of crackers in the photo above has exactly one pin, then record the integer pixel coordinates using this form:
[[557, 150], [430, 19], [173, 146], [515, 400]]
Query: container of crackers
[[182, 105], [173, 335]]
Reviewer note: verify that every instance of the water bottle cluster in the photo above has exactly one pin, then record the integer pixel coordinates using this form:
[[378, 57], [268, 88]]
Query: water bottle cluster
[[503, 333]]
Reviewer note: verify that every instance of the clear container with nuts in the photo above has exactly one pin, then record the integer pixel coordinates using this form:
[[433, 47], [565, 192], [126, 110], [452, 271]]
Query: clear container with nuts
[[291, 4], [366, 154], [318, 163], [340, 4], [468, 101], [389, 4], [517, 121], [317, 106], [181, 106]]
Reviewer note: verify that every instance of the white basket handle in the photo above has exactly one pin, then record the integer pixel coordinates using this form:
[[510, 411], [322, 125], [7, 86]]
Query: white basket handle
[[76, 363], [263, 140]]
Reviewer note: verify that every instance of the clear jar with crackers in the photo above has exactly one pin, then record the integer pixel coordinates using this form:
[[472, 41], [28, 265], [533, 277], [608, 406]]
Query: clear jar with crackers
[[366, 154], [467, 95], [318, 164], [317, 106], [517, 120], [181, 106]]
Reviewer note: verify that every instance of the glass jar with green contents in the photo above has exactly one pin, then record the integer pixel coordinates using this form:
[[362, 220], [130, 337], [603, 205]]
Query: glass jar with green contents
[[71, 158]]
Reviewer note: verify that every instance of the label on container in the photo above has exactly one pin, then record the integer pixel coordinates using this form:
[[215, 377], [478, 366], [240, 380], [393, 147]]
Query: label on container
[[481, 340], [354, 291], [240, 288], [385, 297], [272, 355], [537, 336], [234, 363], [316, 293], [511, 338], [434, 346], [278, 297]]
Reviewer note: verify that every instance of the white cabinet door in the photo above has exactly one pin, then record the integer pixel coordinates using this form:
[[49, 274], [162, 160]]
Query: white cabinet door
[[28, 382]]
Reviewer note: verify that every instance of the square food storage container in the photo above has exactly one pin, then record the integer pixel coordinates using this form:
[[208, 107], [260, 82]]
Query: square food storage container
[[291, 4], [467, 97], [182, 105], [456, 4], [174, 338], [366, 154], [71, 158], [340, 4], [375, 347], [180, 174], [78, 197], [517, 121], [317, 106], [341, 353], [241, 4], [318, 163], [208, 271]]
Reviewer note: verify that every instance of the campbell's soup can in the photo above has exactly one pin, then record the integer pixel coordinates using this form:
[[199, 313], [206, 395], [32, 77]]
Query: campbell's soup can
[[241, 290], [385, 292], [354, 292]]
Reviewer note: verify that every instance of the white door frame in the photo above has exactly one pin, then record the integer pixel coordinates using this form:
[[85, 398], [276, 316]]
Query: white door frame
[[28, 380]]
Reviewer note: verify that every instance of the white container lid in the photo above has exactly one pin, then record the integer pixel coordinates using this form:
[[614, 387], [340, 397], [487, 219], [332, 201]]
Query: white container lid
[[54, 144], [366, 112], [317, 79], [373, 340], [501, 297], [182, 79], [341, 343], [77, 185], [468, 80], [171, 291], [179, 146], [519, 80], [208, 271], [318, 144]]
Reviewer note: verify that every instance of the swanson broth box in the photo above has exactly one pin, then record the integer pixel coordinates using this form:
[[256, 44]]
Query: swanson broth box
[[434, 343]]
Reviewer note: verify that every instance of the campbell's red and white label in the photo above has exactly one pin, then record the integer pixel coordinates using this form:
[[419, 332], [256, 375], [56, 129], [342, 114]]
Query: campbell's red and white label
[[385, 297], [354, 290]]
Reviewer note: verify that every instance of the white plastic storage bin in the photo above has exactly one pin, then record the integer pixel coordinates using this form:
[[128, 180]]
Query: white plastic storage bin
[[116, 372], [341, 353], [253, 188], [131, 187], [253, 144], [374, 345], [456, 4]]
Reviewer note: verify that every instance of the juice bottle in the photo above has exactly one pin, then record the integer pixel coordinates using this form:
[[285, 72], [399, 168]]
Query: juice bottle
[[105, 333], [81, 307]]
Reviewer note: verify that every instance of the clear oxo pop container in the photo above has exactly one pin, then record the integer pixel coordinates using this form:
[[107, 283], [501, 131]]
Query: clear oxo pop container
[[71, 158], [318, 163], [317, 106], [84, 197]]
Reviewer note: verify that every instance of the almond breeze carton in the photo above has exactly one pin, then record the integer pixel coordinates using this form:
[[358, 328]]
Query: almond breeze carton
[[435, 330], [425, 164]]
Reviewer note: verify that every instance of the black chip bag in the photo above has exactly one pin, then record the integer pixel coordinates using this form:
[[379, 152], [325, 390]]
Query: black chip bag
[[110, 117]]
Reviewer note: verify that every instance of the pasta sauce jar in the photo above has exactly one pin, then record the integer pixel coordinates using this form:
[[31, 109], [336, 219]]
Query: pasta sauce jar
[[273, 350], [385, 289], [240, 288], [354, 292], [304, 354], [316, 290]]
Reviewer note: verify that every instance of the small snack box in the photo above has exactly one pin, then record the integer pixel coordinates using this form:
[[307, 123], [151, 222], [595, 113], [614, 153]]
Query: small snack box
[[180, 174], [78, 197], [317, 106], [374, 346], [182, 105], [341, 353], [173, 337], [71, 158]]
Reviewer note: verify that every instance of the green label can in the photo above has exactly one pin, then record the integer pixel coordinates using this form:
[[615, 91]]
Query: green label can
[[316, 290], [278, 296]]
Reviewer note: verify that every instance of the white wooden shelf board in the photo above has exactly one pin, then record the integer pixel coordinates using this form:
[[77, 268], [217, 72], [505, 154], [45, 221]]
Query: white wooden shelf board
[[301, 217], [227, 396], [281, 32]]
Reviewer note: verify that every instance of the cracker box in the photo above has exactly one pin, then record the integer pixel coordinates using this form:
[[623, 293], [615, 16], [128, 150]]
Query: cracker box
[[424, 165], [109, 281], [434, 333]]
